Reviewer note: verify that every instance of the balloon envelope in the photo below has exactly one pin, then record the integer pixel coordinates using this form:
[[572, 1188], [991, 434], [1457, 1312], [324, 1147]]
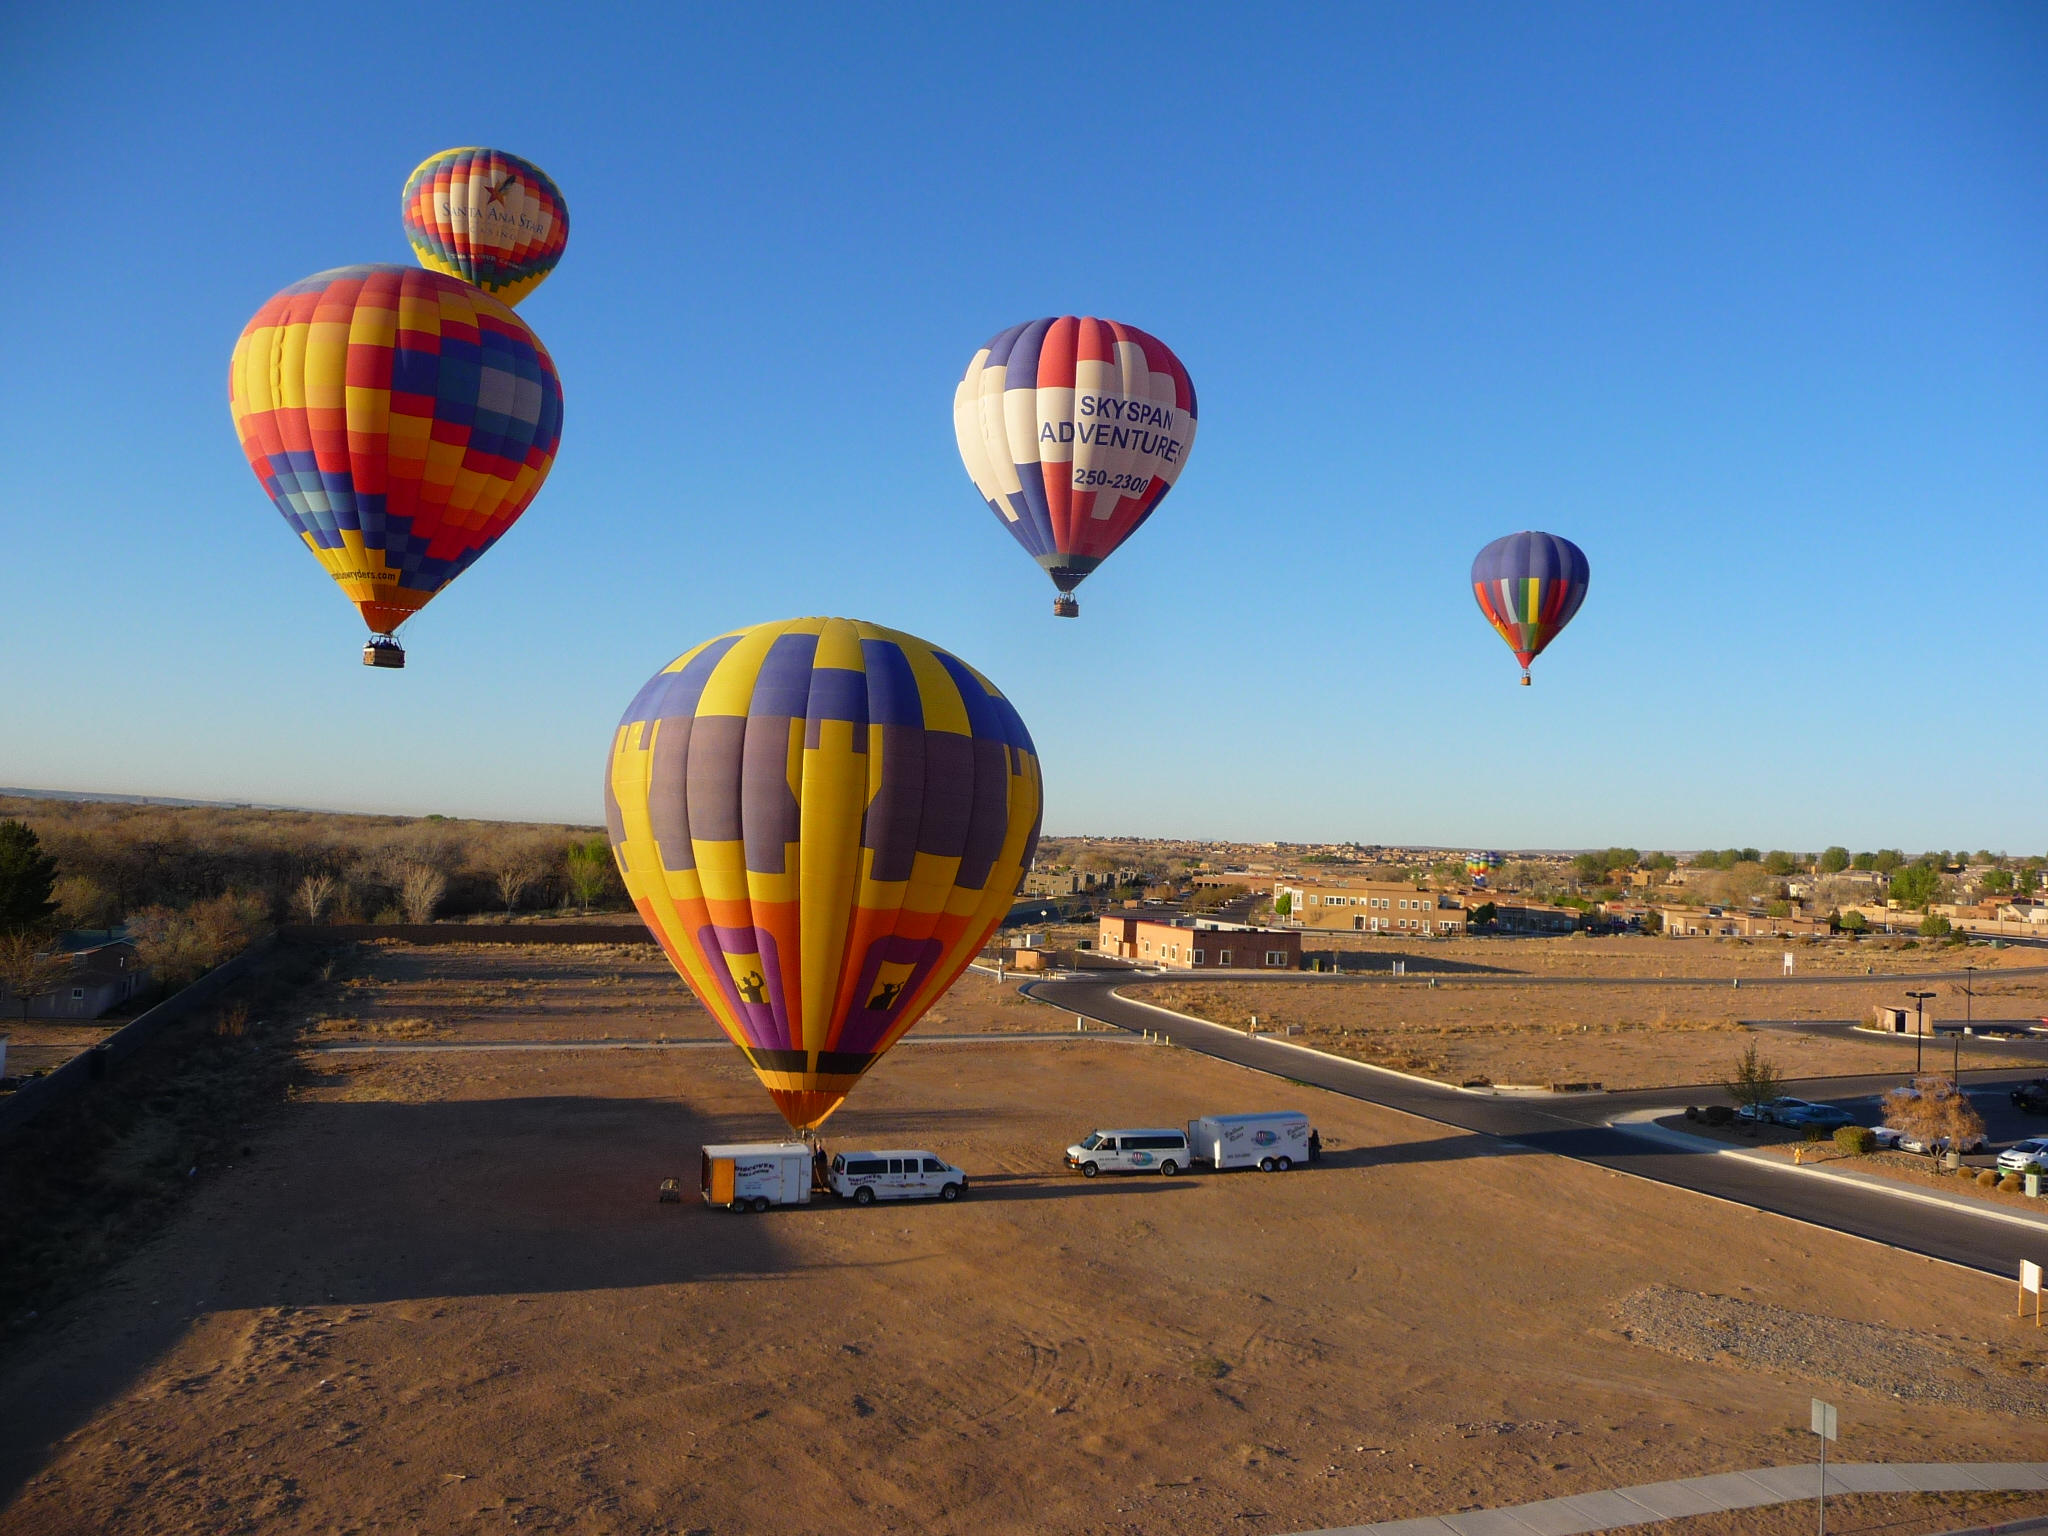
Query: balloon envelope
[[822, 821], [487, 217], [1529, 585], [1073, 430], [400, 421]]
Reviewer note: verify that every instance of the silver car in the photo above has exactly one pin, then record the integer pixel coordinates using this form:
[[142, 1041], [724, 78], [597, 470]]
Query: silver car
[[2023, 1156]]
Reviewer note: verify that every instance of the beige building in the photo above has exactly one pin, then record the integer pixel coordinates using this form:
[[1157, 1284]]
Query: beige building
[[1370, 906], [1182, 945]]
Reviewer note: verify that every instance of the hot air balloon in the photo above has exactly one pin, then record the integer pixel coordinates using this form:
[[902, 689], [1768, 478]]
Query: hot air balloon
[[1529, 585], [1480, 865], [822, 821], [487, 217], [1073, 430], [401, 421]]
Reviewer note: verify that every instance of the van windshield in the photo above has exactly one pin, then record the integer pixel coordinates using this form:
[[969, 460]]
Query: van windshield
[[1091, 1141]]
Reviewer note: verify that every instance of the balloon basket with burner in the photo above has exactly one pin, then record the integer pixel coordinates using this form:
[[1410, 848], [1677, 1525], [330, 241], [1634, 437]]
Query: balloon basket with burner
[[383, 651], [1525, 679], [1066, 606]]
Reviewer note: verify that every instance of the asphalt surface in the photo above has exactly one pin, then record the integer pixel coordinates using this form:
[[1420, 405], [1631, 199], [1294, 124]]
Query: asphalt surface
[[1571, 1126]]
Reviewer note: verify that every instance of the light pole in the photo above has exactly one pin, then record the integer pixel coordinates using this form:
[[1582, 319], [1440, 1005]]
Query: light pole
[[1955, 1071], [1919, 1025]]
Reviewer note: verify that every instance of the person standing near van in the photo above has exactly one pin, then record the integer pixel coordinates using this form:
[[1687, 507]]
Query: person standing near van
[[1315, 1146]]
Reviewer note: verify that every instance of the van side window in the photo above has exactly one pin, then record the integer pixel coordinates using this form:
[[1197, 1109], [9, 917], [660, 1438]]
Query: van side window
[[1108, 1144], [933, 1165], [862, 1167], [895, 1165]]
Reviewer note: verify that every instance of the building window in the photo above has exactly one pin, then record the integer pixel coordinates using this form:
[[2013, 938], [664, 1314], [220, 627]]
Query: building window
[[1199, 956], [78, 994], [1276, 957], [1223, 957]]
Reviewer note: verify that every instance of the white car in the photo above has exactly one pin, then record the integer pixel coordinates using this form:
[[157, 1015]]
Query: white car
[[1888, 1137], [1157, 1150], [2023, 1155], [865, 1177]]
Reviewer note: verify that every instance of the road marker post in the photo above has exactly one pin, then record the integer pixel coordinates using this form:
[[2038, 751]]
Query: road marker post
[[1825, 1426], [2030, 1280]]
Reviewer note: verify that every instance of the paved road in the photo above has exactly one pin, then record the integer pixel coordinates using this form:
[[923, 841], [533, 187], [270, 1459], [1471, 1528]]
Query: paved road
[[1570, 1126]]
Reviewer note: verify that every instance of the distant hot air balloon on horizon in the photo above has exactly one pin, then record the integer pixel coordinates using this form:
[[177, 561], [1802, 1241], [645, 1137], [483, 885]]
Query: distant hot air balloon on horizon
[[400, 421], [487, 217], [822, 821], [1073, 429], [1481, 865], [1529, 585]]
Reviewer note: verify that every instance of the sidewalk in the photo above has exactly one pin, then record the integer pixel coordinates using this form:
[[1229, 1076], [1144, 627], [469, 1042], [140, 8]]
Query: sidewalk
[[1640, 1122], [1617, 1508]]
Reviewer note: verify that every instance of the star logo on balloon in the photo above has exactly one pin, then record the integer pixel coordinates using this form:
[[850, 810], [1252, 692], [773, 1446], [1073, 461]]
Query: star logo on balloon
[[496, 194]]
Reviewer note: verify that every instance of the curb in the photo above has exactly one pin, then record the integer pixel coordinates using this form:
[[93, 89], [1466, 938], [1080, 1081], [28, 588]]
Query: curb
[[1641, 1122]]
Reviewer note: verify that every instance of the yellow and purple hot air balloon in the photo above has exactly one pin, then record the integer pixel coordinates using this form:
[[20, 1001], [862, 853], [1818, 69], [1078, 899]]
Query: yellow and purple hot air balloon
[[487, 217], [1529, 585], [822, 821], [400, 421], [1073, 430]]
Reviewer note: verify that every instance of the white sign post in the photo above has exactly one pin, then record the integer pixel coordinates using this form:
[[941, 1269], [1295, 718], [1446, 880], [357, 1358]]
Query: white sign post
[[2030, 1280], [1825, 1427], [1788, 962]]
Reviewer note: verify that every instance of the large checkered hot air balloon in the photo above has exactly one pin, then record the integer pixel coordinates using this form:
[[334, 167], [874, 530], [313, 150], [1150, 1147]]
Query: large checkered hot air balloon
[[487, 217], [401, 421], [1073, 430], [822, 821], [1529, 585]]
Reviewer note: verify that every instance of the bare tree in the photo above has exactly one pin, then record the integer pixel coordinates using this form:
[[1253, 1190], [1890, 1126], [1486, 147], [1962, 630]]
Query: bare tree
[[1933, 1113], [422, 890], [513, 870], [1756, 1082], [30, 967], [314, 895]]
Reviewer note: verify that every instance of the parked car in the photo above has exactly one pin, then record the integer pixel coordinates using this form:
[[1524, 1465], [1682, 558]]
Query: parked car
[[1775, 1111], [1826, 1116], [2032, 1097], [1136, 1151], [1900, 1141], [2024, 1155], [865, 1177]]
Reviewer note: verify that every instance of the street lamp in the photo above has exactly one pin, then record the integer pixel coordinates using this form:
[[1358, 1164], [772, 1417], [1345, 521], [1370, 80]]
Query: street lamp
[[1919, 1025], [1955, 1071]]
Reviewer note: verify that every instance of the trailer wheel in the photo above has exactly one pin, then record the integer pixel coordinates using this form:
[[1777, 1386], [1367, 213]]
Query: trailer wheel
[[760, 1204], [1286, 1163], [1089, 1170], [864, 1196], [1169, 1168], [737, 1206], [1265, 1165], [949, 1192]]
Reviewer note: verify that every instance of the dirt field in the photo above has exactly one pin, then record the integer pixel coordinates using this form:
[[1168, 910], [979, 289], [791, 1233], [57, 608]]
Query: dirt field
[[1638, 955], [433, 1293], [1620, 1036]]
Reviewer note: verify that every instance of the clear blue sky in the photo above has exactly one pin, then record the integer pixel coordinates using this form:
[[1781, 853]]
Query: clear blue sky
[[1749, 301]]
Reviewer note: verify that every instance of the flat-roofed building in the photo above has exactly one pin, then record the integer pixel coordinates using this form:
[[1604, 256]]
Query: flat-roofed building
[[1188, 945], [1370, 906]]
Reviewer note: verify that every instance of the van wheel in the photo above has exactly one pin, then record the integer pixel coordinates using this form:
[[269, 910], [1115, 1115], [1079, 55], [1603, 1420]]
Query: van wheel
[[760, 1204], [1286, 1163], [738, 1206], [864, 1196], [949, 1192], [1169, 1168], [1089, 1170], [1265, 1165]]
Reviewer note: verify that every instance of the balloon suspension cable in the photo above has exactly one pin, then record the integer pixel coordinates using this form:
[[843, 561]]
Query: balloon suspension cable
[[383, 650], [1066, 606]]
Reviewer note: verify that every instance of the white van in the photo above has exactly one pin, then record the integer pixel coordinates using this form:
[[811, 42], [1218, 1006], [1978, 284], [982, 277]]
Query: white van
[[1274, 1142], [751, 1176], [1140, 1151], [865, 1177]]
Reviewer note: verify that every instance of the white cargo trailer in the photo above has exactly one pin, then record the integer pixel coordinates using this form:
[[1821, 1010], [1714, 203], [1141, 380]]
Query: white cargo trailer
[[1275, 1141], [751, 1176]]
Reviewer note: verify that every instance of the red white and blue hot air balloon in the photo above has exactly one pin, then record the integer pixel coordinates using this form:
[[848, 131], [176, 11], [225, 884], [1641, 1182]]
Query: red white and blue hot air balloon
[[1529, 585], [1073, 430]]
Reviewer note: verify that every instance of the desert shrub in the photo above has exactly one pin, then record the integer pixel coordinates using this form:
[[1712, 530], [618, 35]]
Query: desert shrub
[[1692, 1111], [1987, 1177], [1717, 1114], [1855, 1140], [388, 915], [1813, 1133], [2011, 1184]]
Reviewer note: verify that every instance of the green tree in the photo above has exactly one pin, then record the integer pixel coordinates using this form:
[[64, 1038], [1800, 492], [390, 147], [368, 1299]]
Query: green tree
[[1997, 882], [1780, 863], [1482, 914], [1916, 885], [1707, 858], [1660, 861], [1756, 1080], [1778, 909], [1588, 868], [1835, 860], [589, 870], [1621, 858], [1851, 922], [1864, 861], [2029, 881], [1283, 904], [1887, 860], [1934, 926], [26, 877]]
